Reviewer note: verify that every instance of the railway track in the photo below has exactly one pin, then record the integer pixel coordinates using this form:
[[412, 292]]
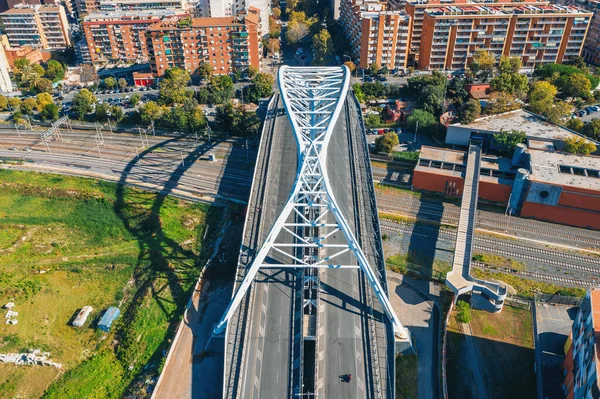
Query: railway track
[[444, 212], [558, 259]]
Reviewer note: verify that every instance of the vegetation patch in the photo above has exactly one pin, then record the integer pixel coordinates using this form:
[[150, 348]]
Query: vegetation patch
[[527, 288], [67, 242], [498, 261], [504, 342], [407, 376], [416, 264]]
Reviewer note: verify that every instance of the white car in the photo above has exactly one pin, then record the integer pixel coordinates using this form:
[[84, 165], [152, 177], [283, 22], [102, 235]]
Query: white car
[[276, 56]]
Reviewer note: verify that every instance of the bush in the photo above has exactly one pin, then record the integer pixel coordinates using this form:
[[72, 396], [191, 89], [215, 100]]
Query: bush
[[463, 312]]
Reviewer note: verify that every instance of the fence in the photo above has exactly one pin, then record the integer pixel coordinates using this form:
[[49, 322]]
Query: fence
[[558, 300]]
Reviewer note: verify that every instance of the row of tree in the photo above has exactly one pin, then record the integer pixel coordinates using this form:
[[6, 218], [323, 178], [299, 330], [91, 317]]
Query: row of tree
[[42, 103]]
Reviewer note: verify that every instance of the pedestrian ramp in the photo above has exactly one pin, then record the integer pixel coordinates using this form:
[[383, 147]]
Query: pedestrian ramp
[[460, 279]]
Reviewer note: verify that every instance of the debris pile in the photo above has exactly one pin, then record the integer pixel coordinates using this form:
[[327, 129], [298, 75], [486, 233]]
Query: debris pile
[[11, 315], [32, 357]]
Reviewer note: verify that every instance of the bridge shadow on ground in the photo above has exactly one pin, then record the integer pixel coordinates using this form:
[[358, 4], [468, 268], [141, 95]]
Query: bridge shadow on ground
[[166, 269], [423, 240], [506, 369]]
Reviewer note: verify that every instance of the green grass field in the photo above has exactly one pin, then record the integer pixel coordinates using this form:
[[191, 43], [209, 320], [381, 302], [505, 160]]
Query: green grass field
[[68, 242]]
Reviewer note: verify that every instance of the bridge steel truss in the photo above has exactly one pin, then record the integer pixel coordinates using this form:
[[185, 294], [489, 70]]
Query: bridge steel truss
[[313, 98]]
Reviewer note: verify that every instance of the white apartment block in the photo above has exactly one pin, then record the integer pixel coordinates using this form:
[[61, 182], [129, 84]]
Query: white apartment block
[[5, 83], [229, 8]]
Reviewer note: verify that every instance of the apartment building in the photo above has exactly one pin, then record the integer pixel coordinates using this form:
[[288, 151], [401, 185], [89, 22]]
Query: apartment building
[[6, 85], [416, 10], [95, 6], [227, 44], [538, 34], [38, 26], [376, 35], [591, 49], [120, 35], [230, 8], [581, 360]]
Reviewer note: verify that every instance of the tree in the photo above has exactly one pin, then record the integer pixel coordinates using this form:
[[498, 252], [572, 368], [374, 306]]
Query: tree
[[14, 103], [276, 12], [500, 102], [513, 83], [541, 96], [43, 99], [150, 111], [102, 111], [116, 113], [457, 91], [3, 103], [274, 28], [272, 45], [295, 32], [21, 63], [575, 124], [110, 83], [469, 111], [592, 129], [236, 120], [508, 139], [423, 121], [386, 143], [252, 72], [482, 64], [463, 312], [351, 66], [221, 89], [82, 103], [429, 90], [384, 70], [54, 71], [323, 47], [374, 69], [135, 98], [579, 145], [28, 105], [49, 112], [87, 73], [172, 88], [575, 85], [204, 71], [262, 86], [509, 64], [122, 83], [43, 85]]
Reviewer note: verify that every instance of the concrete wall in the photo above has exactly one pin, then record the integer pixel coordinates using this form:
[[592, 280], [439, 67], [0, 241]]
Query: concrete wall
[[494, 192], [488, 191], [436, 182], [580, 198], [562, 215]]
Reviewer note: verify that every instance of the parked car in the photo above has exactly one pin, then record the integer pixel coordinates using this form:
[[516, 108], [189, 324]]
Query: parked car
[[596, 108], [367, 79]]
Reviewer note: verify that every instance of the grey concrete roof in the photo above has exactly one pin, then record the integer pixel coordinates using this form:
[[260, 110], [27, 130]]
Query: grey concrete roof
[[533, 125], [546, 168]]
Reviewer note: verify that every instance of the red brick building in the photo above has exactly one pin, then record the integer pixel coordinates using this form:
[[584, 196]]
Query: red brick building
[[226, 44], [552, 186]]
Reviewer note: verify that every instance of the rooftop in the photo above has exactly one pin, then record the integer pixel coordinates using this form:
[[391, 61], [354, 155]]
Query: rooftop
[[454, 163], [128, 16], [579, 171], [503, 9], [533, 125]]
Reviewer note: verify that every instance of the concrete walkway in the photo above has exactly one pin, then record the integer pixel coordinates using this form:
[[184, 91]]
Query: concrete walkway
[[474, 361], [415, 303]]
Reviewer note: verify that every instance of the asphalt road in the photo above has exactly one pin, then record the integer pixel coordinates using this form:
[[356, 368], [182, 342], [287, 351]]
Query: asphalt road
[[340, 344], [267, 357]]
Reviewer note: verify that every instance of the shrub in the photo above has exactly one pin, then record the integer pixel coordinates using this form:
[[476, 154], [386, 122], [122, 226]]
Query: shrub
[[463, 312]]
